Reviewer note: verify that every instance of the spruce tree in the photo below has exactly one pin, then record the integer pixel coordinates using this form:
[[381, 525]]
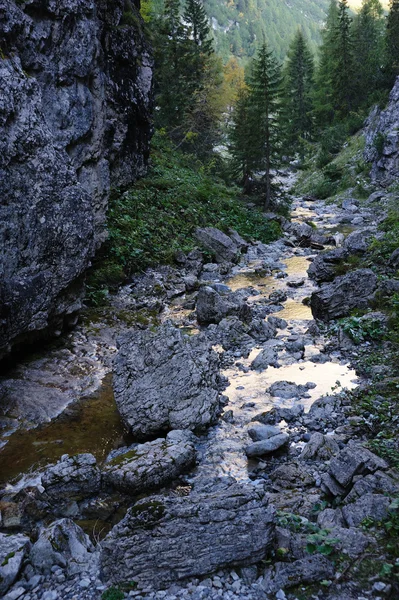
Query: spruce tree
[[323, 92], [392, 42], [264, 84], [298, 87], [343, 72], [368, 36], [197, 20], [240, 138]]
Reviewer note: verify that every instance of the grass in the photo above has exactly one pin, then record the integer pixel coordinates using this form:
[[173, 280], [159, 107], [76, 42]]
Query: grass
[[156, 218]]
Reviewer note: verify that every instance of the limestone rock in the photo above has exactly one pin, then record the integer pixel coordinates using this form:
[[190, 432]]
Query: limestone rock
[[358, 241], [223, 247], [262, 432], [73, 477], [374, 506], [267, 446], [353, 460], [303, 571], [13, 549], [267, 357], [167, 539], [75, 98], [339, 298], [212, 306], [151, 465], [166, 380], [323, 268], [287, 389]]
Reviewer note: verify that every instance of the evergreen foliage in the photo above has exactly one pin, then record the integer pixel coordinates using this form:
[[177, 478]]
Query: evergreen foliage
[[343, 72], [368, 33], [392, 42], [297, 92]]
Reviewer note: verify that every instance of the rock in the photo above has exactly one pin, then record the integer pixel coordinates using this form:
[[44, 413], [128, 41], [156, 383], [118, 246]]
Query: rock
[[10, 515], [267, 446], [369, 506], [212, 307], [291, 476], [394, 259], [165, 380], [339, 298], [287, 389], [301, 232], [72, 478], [303, 571], [261, 330], [232, 334], [64, 544], [324, 266], [359, 241], [151, 465], [330, 518], [319, 447], [278, 296], [350, 204], [76, 98], [223, 248], [296, 283], [262, 432], [268, 356], [165, 539], [239, 241], [277, 322], [351, 542], [353, 460], [291, 414], [383, 126], [297, 345], [378, 482], [13, 549]]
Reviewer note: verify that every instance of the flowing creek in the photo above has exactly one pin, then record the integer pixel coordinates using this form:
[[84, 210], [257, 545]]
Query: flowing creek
[[84, 417]]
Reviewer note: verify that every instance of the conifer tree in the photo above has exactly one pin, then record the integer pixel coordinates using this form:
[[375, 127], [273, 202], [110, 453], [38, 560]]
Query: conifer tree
[[197, 20], [392, 42], [343, 74], [323, 92], [240, 138], [297, 97], [368, 36], [264, 85]]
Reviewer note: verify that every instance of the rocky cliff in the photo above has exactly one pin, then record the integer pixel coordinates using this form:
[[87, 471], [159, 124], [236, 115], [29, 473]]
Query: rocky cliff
[[75, 101], [382, 140]]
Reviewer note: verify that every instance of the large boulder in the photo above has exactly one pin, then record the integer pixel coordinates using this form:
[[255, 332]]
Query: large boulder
[[72, 478], [213, 306], [220, 245], [165, 380], [75, 104], [310, 569], [324, 266], [13, 549], [151, 465], [339, 298], [382, 140], [165, 539]]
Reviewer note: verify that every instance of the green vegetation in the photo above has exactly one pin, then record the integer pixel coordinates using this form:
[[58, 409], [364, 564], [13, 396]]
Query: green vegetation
[[113, 593], [149, 223]]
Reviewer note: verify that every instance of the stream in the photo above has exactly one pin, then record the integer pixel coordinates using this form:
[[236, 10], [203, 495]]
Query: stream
[[62, 402]]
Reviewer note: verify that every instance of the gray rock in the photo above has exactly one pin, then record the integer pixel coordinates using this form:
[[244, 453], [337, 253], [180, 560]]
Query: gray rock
[[351, 542], [287, 389], [64, 544], [239, 241], [349, 204], [277, 322], [267, 446], [373, 506], [324, 266], [13, 549], [291, 476], [223, 248], [151, 465], [75, 97], [352, 461], [262, 432], [232, 334], [73, 477], [358, 241], [261, 330], [339, 298], [165, 380], [384, 125], [212, 306], [330, 518], [297, 345], [168, 539], [378, 482], [267, 357], [303, 571], [291, 414], [319, 447], [394, 259]]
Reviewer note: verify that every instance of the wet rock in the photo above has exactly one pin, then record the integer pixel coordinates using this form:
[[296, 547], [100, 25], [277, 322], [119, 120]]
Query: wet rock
[[224, 248], [339, 298], [151, 465], [228, 416], [73, 477], [303, 571], [324, 266], [267, 357], [13, 549], [369, 506], [212, 307], [267, 446], [64, 544], [287, 390], [295, 283], [358, 241], [262, 432], [352, 461], [320, 447], [167, 539], [165, 380]]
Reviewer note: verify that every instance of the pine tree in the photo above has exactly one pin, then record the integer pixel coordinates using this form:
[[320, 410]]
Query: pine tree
[[240, 143], [197, 20], [323, 92], [264, 84], [343, 72], [298, 87], [368, 36], [392, 42]]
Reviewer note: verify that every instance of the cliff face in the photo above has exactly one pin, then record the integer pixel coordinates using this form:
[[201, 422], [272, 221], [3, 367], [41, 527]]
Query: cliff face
[[75, 101], [382, 140]]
